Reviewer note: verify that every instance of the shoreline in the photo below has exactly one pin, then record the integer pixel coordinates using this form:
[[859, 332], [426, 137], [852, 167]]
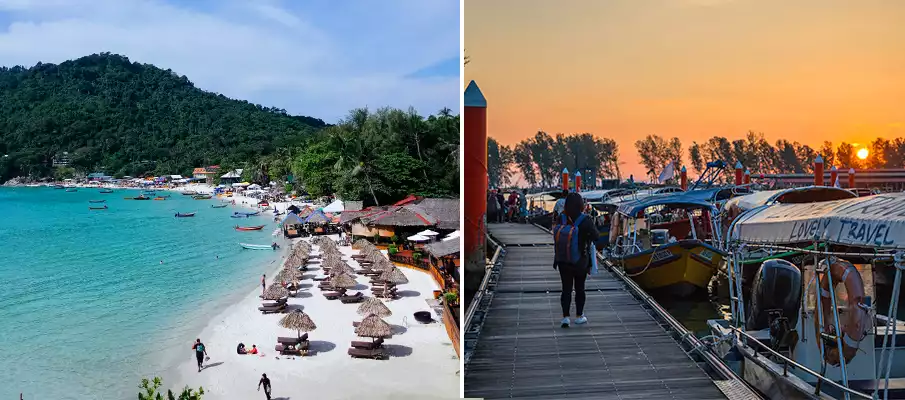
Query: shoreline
[[414, 347]]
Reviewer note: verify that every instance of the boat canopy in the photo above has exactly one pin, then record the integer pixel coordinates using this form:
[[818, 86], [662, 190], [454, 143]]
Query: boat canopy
[[875, 221], [686, 200], [808, 194], [602, 195]]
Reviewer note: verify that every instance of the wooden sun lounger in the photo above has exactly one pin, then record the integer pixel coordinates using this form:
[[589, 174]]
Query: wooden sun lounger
[[292, 340], [367, 345], [272, 305], [383, 290], [270, 310], [352, 299], [299, 350], [332, 295], [322, 278], [376, 354]]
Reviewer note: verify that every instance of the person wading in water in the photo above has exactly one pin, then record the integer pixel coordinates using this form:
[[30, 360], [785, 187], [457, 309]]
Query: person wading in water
[[573, 234]]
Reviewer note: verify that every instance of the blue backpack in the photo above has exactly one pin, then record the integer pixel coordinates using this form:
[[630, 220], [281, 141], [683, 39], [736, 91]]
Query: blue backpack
[[565, 239]]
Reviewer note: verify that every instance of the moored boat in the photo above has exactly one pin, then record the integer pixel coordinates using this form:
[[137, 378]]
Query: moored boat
[[249, 228], [202, 197], [249, 214], [72, 190], [189, 193], [160, 198], [97, 208], [141, 197], [185, 215], [273, 246], [219, 206], [97, 201], [106, 191]]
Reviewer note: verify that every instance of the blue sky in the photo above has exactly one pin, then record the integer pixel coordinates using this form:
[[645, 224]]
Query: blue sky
[[319, 58]]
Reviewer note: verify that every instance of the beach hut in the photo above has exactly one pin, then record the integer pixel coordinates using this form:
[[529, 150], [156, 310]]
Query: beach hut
[[292, 225], [317, 222]]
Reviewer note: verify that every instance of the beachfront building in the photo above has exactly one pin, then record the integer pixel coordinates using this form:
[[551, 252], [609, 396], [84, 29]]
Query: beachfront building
[[62, 159], [293, 225], [99, 177], [444, 264], [403, 219], [231, 177], [205, 174]]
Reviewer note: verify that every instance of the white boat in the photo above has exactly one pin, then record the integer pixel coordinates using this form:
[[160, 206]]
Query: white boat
[[258, 246]]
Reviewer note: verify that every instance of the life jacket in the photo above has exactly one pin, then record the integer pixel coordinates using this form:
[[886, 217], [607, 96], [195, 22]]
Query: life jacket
[[565, 239]]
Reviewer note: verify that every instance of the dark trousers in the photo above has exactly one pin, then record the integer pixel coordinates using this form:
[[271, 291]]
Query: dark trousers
[[267, 392], [572, 277]]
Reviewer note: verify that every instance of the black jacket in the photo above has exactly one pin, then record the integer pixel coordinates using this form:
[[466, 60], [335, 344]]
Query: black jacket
[[587, 235]]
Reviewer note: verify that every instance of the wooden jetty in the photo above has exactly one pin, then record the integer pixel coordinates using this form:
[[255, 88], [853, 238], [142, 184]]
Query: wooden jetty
[[515, 348]]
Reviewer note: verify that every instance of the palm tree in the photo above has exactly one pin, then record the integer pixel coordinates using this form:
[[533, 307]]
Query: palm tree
[[351, 137]]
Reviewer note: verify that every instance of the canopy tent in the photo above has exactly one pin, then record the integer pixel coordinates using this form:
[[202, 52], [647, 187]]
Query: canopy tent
[[240, 184], [418, 238], [451, 236], [334, 207], [687, 199], [254, 186], [874, 221], [809, 194], [427, 232]]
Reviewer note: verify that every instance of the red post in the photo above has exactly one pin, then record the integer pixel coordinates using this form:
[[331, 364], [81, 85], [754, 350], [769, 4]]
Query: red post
[[683, 179], [834, 174], [818, 171], [851, 178], [738, 173], [565, 179], [747, 176], [475, 174], [578, 181]]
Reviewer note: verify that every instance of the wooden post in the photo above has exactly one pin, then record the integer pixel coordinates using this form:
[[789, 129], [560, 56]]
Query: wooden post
[[818, 171], [738, 173], [683, 178], [851, 178], [834, 174], [578, 181], [565, 179], [474, 173]]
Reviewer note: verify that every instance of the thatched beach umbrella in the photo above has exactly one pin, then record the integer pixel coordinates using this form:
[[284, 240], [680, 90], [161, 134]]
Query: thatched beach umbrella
[[290, 275], [341, 268], [275, 292], [361, 244], [383, 265], [394, 276], [298, 321], [343, 281], [374, 327], [331, 263], [373, 306]]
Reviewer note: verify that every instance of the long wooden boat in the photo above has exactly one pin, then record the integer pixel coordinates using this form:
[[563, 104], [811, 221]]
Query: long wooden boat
[[72, 190], [667, 256], [238, 216], [97, 201], [247, 213], [189, 193], [186, 215], [97, 208], [105, 191], [249, 228], [160, 198], [141, 197], [219, 206], [58, 187], [258, 246], [202, 197]]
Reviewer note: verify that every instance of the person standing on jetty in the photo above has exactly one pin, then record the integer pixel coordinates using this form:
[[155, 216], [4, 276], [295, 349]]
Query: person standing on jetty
[[265, 381], [200, 352], [573, 235]]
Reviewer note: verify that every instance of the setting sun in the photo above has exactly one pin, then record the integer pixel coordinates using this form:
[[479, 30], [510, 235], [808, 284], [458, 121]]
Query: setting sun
[[862, 153]]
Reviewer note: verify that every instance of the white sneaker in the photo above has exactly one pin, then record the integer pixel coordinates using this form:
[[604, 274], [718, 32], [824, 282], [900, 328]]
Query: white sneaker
[[581, 320], [566, 322]]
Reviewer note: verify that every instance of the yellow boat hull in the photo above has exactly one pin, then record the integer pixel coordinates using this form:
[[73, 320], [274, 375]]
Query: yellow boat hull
[[681, 268]]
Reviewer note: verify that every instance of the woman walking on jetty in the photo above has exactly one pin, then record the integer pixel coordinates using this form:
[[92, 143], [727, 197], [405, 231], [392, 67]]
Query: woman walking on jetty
[[573, 235]]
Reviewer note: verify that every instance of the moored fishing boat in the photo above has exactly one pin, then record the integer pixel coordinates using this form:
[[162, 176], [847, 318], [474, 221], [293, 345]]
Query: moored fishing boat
[[185, 215], [160, 198], [72, 190], [667, 243], [189, 193], [219, 206], [106, 191], [97, 201], [249, 228], [273, 246], [97, 208], [202, 197], [238, 216], [141, 197], [800, 336], [249, 214]]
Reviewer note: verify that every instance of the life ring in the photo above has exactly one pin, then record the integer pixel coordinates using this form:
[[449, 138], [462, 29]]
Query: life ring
[[856, 316]]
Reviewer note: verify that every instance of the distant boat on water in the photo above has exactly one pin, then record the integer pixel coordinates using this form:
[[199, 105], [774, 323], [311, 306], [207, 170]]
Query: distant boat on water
[[106, 191], [58, 187], [249, 228], [97, 208], [160, 198], [186, 215], [202, 197], [72, 190], [189, 193], [97, 201], [141, 197], [248, 214], [219, 206], [238, 216], [259, 246]]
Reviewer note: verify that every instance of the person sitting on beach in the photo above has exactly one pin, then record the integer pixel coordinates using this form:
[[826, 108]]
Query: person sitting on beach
[[241, 349], [254, 349]]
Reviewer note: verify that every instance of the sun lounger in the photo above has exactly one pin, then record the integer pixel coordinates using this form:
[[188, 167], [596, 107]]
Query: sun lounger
[[270, 310], [377, 290], [275, 304], [376, 354], [321, 278], [352, 299], [367, 345], [332, 295], [292, 339], [292, 350]]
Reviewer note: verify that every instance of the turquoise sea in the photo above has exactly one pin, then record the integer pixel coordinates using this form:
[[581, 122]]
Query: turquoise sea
[[86, 307]]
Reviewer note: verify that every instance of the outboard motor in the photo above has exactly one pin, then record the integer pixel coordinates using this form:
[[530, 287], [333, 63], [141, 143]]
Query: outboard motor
[[775, 297]]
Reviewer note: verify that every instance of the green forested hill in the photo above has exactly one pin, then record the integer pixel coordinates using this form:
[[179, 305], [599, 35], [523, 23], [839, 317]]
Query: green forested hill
[[128, 118]]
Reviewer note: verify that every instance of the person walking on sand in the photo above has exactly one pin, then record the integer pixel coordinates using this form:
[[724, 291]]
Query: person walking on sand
[[200, 352], [265, 381], [573, 235], [263, 283]]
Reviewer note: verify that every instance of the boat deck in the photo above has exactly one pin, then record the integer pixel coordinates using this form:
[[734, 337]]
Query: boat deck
[[622, 353]]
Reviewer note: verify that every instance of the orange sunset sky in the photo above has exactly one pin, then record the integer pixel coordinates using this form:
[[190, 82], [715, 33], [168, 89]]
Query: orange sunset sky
[[802, 70]]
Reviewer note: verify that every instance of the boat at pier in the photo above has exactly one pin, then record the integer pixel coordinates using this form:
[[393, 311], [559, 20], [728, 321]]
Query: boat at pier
[[815, 329]]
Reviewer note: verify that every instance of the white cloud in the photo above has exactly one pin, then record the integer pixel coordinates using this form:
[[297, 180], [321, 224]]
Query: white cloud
[[310, 61]]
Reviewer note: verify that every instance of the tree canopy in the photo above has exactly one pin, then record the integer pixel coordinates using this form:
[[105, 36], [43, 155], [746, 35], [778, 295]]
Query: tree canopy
[[128, 118]]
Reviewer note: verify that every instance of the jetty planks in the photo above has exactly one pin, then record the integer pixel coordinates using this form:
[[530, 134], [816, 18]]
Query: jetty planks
[[622, 353]]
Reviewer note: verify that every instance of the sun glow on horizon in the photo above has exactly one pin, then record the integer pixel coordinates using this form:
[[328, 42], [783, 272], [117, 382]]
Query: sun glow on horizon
[[863, 153]]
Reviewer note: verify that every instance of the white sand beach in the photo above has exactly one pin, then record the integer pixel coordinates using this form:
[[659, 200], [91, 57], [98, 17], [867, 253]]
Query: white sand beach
[[422, 362]]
